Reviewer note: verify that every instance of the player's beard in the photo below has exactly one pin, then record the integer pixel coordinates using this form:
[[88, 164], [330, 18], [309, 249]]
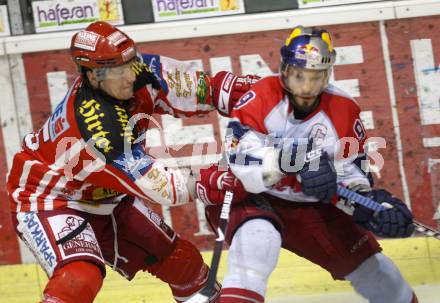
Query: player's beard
[[303, 105]]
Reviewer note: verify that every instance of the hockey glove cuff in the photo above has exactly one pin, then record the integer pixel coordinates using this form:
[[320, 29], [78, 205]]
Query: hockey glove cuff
[[214, 182], [313, 166]]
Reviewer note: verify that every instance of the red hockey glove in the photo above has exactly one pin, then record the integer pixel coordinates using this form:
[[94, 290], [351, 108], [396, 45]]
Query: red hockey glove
[[213, 184], [227, 89]]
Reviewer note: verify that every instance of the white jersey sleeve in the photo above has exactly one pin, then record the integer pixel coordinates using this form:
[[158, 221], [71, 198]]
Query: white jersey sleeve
[[247, 155], [185, 87]]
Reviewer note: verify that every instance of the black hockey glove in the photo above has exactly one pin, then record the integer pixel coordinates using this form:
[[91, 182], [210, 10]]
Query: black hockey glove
[[394, 222], [313, 166], [144, 76]]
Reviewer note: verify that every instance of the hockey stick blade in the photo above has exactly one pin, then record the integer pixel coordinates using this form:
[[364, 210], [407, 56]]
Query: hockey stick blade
[[376, 206], [209, 289]]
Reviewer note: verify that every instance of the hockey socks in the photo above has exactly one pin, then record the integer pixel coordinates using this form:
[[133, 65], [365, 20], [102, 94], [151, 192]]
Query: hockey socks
[[77, 281], [253, 255], [239, 295], [378, 280]]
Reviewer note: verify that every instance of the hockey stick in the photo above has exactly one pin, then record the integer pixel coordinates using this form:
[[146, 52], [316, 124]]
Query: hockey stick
[[209, 289], [373, 205]]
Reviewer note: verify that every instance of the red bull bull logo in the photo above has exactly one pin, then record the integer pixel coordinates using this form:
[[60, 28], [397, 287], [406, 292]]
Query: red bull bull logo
[[308, 52]]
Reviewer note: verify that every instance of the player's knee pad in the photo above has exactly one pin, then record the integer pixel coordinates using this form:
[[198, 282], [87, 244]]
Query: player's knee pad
[[77, 281], [253, 255], [379, 280], [184, 270]]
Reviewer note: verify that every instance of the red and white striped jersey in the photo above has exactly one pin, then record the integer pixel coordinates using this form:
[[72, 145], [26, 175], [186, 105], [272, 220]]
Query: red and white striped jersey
[[87, 157]]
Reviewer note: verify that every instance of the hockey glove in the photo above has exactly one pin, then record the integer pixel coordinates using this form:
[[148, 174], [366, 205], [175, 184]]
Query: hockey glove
[[313, 167], [228, 88], [213, 183], [144, 76], [394, 222]]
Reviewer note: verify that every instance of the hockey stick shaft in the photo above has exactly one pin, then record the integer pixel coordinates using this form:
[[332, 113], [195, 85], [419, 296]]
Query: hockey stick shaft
[[218, 248], [376, 206], [209, 289]]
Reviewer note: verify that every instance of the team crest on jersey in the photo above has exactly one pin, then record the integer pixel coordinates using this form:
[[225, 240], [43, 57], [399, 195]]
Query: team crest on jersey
[[318, 134], [245, 99], [58, 123]]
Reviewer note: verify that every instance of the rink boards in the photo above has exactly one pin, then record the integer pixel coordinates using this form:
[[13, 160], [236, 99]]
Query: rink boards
[[418, 258]]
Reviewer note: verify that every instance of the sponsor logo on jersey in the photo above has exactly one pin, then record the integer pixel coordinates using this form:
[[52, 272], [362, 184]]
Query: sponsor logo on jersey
[[58, 123], [159, 182], [359, 244], [36, 237], [313, 155], [86, 40], [155, 219], [180, 82], [123, 119], [202, 88], [161, 224], [91, 111], [102, 193], [245, 99], [83, 243]]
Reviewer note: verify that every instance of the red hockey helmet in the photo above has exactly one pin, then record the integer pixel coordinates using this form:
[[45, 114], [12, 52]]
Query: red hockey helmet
[[101, 45]]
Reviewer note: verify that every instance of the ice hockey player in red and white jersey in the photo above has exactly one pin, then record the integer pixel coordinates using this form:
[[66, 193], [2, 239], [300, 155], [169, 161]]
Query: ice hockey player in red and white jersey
[[294, 137], [78, 186]]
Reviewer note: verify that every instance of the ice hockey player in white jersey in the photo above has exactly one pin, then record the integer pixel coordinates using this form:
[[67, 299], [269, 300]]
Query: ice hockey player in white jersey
[[288, 151]]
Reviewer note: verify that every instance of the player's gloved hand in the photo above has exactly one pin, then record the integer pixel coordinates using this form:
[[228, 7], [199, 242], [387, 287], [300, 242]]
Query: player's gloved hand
[[228, 88], [144, 76], [394, 222], [313, 166], [214, 183]]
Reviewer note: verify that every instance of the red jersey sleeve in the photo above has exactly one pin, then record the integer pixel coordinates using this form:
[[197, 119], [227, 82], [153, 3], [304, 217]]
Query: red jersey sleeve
[[345, 115]]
